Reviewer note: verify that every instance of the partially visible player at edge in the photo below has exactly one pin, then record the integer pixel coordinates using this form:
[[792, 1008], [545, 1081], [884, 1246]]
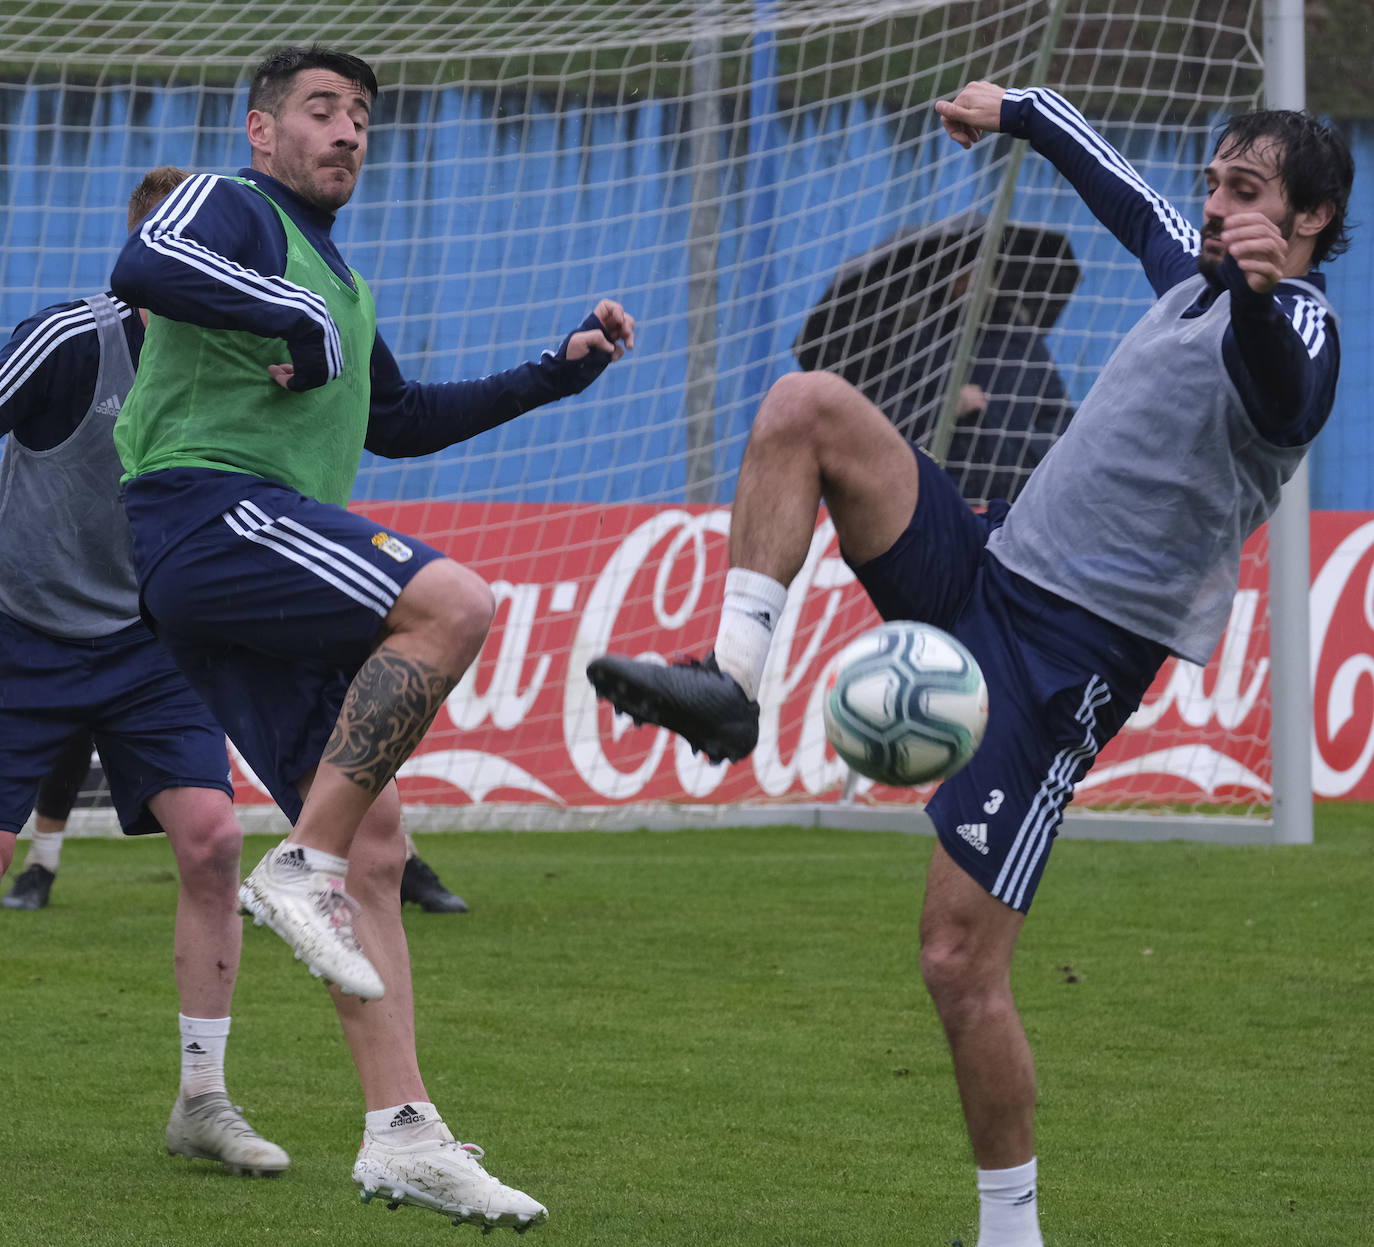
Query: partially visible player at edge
[[76, 659], [324, 644], [1124, 547], [58, 793]]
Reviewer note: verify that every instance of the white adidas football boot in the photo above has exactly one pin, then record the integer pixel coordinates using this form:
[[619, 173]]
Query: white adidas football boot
[[424, 1166], [311, 911], [209, 1127]]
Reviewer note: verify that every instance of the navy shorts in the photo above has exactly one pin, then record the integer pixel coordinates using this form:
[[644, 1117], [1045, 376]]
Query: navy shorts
[[1061, 683], [270, 608], [150, 728]]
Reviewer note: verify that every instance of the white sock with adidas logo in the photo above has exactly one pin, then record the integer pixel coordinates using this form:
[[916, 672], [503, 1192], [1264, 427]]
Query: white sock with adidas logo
[[752, 607], [411, 1115], [315, 859], [1009, 1216], [203, 1041]]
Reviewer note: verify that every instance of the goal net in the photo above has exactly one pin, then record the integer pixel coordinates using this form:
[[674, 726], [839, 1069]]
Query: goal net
[[765, 186]]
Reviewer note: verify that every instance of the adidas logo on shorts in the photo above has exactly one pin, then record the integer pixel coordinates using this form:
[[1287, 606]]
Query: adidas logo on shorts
[[975, 834]]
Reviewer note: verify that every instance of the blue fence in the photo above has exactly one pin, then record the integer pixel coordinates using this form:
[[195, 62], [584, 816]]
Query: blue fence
[[485, 237]]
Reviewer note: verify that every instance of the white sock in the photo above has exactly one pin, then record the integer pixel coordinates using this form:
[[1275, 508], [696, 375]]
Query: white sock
[[751, 610], [411, 1115], [45, 849], [316, 859], [203, 1041], [1008, 1215]]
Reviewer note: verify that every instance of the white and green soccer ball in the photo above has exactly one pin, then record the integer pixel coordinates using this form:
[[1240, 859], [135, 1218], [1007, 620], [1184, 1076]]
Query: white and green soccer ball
[[907, 704]]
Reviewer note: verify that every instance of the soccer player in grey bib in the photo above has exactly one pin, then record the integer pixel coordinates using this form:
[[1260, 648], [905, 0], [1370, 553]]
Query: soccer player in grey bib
[[76, 660], [1123, 547]]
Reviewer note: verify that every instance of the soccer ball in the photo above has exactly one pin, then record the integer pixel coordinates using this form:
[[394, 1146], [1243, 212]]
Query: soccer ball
[[907, 704]]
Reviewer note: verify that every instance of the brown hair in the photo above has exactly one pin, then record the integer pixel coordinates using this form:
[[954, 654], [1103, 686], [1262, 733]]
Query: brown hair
[[157, 184], [1315, 166], [272, 78]]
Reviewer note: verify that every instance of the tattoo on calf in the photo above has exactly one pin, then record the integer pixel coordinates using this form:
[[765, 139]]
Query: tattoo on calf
[[387, 710]]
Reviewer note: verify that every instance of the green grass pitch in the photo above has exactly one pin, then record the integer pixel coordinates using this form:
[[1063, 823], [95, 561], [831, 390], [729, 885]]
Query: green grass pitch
[[720, 1037]]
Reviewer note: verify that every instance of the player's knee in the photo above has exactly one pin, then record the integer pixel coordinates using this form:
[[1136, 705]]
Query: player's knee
[[473, 609], [940, 962], [806, 408], [481, 605], [453, 606], [952, 967], [794, 407], [209, 853]]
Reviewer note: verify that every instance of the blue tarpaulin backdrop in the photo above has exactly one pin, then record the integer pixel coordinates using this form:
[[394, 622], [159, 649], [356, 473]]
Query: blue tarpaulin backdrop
[[485, 238]]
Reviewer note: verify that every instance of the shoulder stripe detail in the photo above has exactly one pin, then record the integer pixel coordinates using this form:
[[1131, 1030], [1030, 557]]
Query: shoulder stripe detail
[[42, 342], [1054, 106], [163, 232], [1309, 319]]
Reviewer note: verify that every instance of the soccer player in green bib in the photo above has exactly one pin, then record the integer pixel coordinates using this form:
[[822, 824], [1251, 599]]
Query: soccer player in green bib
[[323, 643]]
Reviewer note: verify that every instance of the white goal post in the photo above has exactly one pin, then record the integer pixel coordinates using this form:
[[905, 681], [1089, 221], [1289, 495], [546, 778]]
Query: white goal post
[[765, 186]]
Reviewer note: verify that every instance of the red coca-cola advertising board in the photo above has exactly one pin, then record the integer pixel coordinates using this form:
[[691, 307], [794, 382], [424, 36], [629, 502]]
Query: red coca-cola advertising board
[[573, 582]]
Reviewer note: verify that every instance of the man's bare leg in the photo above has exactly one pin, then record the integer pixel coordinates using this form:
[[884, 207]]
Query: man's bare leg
[[207, 841], [431, 636], [381, 1033], [409, 1155], [967, 941], [815, 437]]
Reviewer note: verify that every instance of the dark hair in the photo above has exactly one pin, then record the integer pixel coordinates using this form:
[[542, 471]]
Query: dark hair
[[273, 77], [1315, 166], [157, 184]]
